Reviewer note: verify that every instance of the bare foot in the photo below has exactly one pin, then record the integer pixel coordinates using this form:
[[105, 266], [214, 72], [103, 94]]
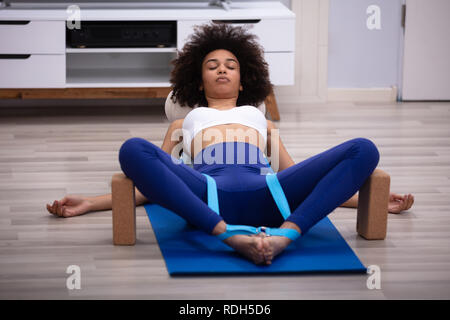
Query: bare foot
[[250, 247], [273, 246]]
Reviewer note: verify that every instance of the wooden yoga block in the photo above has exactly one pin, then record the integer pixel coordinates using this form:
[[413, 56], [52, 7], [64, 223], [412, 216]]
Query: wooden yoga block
[[371, 222], [123, 210], [373, 199]]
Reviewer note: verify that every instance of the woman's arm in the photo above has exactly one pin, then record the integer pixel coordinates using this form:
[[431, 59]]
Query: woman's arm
[[168, 144], [172, 138], [73, 205], [285, 160], [104, 202], [397, 203], [352, 202]]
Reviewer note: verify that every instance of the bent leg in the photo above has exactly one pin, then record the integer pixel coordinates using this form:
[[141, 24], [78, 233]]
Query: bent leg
[[318, 185], [163, 180]]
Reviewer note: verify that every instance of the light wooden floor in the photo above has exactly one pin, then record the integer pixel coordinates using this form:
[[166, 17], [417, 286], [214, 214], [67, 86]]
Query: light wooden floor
[[43, 157]]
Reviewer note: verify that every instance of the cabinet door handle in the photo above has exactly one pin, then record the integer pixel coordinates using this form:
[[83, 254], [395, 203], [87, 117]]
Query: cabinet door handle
[[14, 56], [236, 21], [21, 22]]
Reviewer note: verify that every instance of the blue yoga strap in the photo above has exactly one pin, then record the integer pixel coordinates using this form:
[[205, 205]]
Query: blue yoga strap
[[277, 194], [248, 230]]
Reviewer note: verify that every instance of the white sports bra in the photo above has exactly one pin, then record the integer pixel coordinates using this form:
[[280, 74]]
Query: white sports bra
[[203, 117]]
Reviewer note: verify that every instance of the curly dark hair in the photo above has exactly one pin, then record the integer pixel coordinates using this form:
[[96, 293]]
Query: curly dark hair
[[186, 76]]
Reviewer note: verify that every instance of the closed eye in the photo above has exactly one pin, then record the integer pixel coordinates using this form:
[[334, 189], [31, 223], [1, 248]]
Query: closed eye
[[231, 68]]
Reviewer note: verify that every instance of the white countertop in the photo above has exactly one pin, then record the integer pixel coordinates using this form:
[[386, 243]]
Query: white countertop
[[150, 11]]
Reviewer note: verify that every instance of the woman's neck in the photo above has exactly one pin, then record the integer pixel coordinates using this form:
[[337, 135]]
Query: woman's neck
[[221, 104]]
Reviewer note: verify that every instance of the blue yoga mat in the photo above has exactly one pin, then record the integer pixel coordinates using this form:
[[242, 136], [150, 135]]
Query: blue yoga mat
[[189, 251]]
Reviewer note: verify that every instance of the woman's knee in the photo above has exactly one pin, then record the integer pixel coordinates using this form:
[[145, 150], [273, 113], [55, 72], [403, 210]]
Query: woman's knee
[[367, 150], [131, 148]]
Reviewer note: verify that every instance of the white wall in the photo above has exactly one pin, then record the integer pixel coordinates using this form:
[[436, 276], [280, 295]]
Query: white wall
[[362, 58]]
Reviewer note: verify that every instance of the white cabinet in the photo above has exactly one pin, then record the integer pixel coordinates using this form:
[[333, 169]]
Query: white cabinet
[[276, 36], [122, 68], [32, 71], [281, 67], [32, 54], [33, 51], [36, 37]]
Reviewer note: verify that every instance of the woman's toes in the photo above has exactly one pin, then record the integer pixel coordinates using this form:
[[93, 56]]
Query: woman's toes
[[268, 253], [259, 250]]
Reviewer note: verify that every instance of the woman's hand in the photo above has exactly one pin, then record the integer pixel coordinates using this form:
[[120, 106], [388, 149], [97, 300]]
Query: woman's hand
[[398, 203], [70, 206]]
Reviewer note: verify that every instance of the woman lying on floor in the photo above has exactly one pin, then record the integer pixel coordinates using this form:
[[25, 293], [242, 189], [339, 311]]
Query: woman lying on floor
[[222, 68]]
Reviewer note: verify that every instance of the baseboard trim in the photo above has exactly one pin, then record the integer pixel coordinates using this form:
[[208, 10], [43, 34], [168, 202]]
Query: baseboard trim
[[363, 94], [299, 99]]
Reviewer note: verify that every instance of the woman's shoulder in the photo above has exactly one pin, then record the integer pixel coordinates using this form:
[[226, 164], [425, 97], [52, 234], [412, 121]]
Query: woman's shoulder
[[177, 124]]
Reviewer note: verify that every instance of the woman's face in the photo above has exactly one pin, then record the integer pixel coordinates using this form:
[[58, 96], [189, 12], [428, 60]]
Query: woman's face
[[221, 75]]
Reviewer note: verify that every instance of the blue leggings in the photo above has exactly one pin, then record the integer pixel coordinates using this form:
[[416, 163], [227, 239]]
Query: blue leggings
[[313, 187]]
